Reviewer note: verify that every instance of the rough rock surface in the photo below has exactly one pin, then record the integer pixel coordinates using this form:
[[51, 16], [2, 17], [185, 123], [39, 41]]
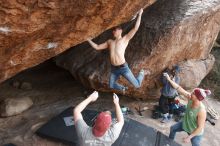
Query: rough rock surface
[[35, 30], [26, 86], [15, 84], [14, 106], [52, 99], [171, 31], [193, 71], [218, 38]]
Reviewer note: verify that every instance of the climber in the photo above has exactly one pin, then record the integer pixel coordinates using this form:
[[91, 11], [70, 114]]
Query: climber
[[104, 132], [195, 115], [117, 49], [168, 94]]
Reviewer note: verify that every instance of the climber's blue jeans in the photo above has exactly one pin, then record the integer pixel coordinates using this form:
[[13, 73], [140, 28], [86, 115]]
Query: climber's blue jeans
[[178, 128], [125, 71]]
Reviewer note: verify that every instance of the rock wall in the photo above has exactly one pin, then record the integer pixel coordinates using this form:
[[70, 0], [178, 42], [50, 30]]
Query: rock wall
[[218, 38], [35, 30], [193, 71], [171, 31]]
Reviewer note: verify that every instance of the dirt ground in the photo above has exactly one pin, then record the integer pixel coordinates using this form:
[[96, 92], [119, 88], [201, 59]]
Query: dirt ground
[[54, 90]]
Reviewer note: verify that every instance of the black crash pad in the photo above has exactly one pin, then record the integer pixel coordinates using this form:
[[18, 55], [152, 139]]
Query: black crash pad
[[133, 133]]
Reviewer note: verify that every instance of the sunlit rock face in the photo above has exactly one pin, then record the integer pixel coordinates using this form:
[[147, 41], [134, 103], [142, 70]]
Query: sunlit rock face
[[32, 31], [170, 32]]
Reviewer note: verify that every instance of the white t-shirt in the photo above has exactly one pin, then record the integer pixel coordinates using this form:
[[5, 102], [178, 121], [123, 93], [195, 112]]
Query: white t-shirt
[[86, 137]]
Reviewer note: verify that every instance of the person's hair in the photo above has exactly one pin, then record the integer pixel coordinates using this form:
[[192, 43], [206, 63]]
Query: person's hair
[[176, 68], [117, 27], [107, 111]]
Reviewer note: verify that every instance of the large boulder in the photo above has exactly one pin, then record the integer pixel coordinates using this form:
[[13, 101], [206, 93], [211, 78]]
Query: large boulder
[[170, 32], [35, 30], [14, 106], [193, 71]]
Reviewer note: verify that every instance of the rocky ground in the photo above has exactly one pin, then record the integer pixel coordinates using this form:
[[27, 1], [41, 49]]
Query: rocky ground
[[53, 90]]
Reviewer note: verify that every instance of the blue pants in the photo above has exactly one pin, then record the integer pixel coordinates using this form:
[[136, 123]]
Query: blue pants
[[178, 128], [125, 71]]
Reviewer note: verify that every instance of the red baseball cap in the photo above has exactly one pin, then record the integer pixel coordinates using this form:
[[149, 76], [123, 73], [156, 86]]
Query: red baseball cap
[[102, 124], [201, 93]]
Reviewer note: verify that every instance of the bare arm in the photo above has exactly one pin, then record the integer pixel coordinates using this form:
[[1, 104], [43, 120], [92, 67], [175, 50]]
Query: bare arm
[[177, 87], [119, 114], [80, 107], [200, 123], [135, 29], [96, 46]]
